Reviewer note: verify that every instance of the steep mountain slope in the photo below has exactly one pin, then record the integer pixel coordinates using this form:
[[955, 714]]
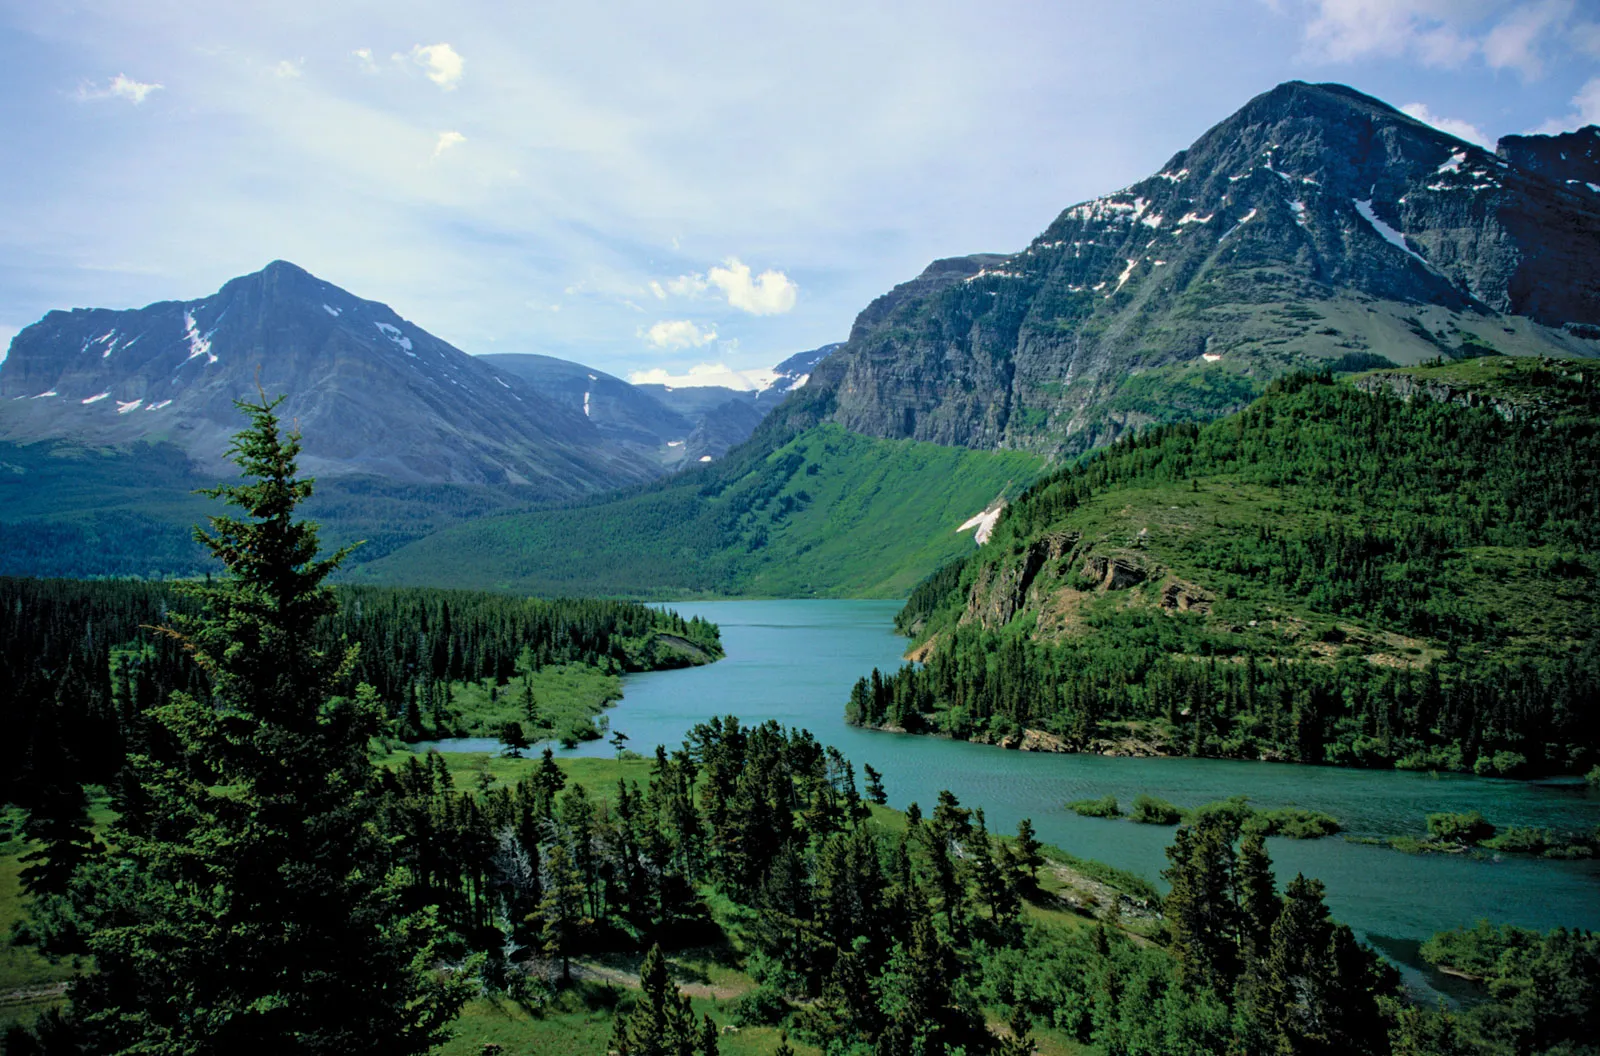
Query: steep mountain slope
[[1396, 571], [820, 512], [374, 394], [620, 412], [1316, 225]]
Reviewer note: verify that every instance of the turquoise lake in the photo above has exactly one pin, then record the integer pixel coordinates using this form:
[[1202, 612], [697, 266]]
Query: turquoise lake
[[795, 661]]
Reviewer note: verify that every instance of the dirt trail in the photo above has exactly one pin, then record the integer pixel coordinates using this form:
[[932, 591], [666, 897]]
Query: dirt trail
[[32, 993], [599, 973]]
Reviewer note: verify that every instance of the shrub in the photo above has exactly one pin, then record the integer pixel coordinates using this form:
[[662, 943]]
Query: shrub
[[1466, 829], [761, 1007], [1295, 823], [1150, 810], [1520, 840], [1104, 807], [1501, 764]]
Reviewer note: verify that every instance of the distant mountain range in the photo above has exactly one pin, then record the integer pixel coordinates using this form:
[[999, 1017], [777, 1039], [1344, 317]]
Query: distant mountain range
[[110, 418], [1315, 227], [374, 394], [673, 426]]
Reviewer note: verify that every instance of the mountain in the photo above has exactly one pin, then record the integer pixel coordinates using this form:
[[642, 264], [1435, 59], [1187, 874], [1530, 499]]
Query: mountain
[[1315, 227], [794, 371], [1394, 570], [623, 413], [374, 394], [672, 425]]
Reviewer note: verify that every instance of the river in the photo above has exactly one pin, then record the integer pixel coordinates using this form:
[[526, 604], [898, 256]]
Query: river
[[795, 661]]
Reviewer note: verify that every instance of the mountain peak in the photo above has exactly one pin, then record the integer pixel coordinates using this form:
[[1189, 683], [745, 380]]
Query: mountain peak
[[376, 393], [1312, 225]]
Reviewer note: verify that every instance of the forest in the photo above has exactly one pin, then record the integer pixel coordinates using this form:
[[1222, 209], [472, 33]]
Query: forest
[[254, 880], [82, 663], [1330, 576]]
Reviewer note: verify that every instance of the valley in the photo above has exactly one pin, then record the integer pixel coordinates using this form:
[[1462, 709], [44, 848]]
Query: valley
[[516, 706]]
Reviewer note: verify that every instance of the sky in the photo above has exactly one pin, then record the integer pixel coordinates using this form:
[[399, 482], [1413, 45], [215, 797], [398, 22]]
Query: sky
[[659, 188]]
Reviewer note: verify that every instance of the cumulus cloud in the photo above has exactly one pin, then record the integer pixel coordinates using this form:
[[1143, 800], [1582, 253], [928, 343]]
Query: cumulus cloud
[[441, 62], [1585, 111], [677, 333], [770, 293], [119, 87], [704, 374], [1455, 126], [446, 141], [1440, 33], [288, 69], [363, 57]]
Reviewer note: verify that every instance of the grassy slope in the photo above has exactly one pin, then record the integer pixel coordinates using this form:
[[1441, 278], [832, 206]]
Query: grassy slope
[[71, 510], [829, 513]]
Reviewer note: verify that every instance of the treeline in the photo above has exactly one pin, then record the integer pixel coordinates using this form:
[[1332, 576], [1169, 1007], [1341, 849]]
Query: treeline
[[82, 662], [1412, 517], [1473, 713]]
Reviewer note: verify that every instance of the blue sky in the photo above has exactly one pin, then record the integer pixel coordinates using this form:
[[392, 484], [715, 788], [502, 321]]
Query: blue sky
[[656, 186]]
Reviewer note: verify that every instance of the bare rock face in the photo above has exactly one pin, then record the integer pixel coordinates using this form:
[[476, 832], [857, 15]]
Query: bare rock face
[[1113, 573], [1316, 223], [372, 393], [1408, 388]]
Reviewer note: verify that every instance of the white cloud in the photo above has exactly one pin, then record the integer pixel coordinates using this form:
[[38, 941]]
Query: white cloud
[[442, 63], [1344, 30], [1455, 126], [446, 141], [770, 293], [705, 374], [1516, 41], [1441, 33], [1585, 111], [119, 87], [677, 333], [363, 57], [288, 69]]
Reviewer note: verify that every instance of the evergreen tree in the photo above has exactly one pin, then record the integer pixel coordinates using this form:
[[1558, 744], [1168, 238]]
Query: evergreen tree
[[1028, 847], [514, 739], [59, 823], [661, 1022], [1316, 990], [875, 792], [561, 914], [257, 915]]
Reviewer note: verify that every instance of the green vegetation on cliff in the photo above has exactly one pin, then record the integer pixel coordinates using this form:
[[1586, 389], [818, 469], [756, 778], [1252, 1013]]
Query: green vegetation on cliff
[[823, 512], [1335, 574]]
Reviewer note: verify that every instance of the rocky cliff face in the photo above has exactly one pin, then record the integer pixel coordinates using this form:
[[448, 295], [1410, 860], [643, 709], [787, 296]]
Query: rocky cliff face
[[1314, 226], [373, 393]]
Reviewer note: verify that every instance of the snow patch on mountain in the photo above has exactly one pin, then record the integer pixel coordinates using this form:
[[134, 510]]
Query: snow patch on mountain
[[1390, 235]]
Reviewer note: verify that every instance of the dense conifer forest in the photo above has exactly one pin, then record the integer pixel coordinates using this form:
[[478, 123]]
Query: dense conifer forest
[[1333, 575], [81, 663]]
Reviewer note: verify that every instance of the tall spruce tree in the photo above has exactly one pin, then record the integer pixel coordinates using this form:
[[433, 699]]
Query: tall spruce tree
[[256, 911]]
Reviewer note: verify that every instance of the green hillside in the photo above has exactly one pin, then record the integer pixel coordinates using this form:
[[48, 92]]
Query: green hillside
[[1394, 571], [76, 510], [826, 513]]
